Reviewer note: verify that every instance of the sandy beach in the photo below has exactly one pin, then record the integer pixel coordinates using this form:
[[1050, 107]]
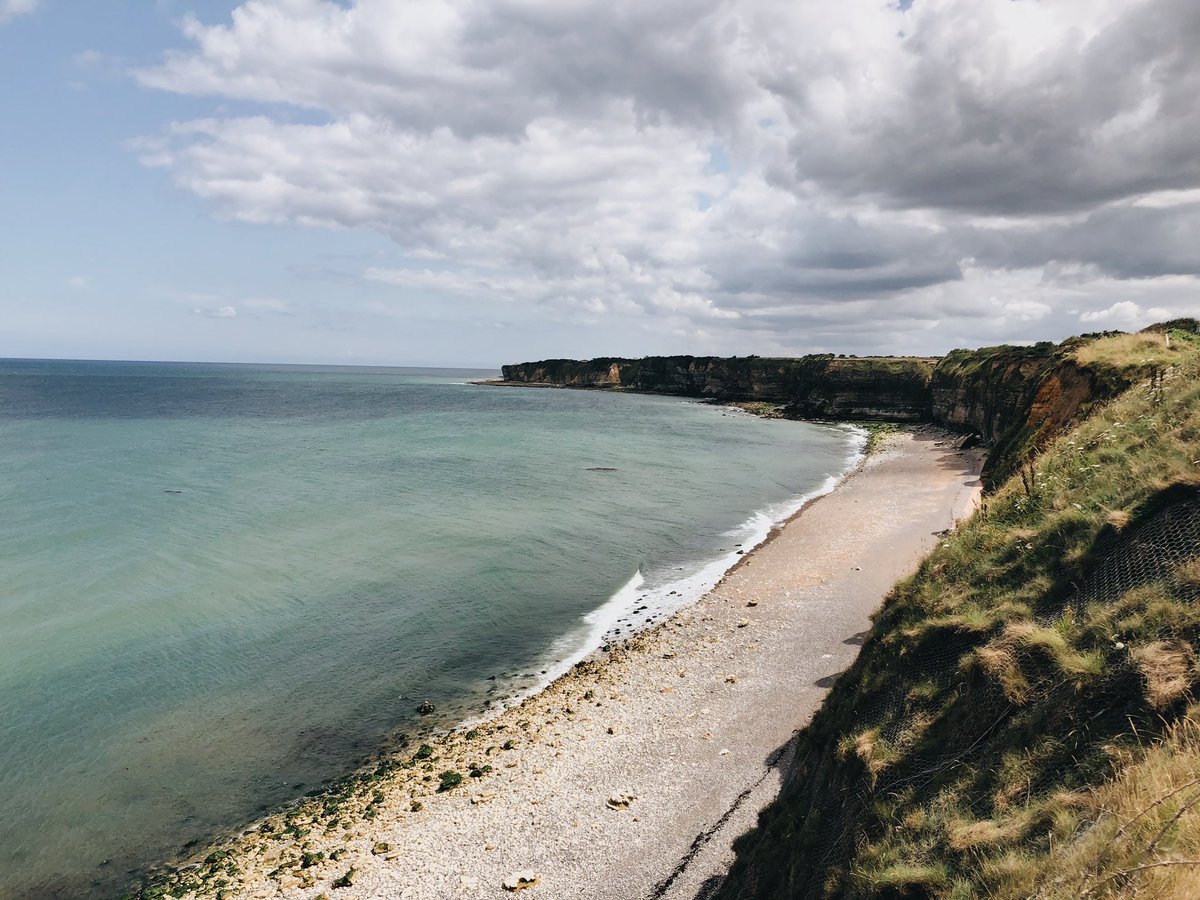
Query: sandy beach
[[630, 776]]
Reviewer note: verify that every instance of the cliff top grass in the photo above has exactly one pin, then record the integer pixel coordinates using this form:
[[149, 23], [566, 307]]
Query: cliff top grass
[[1020, 721], [1142, 351], [963, 363]]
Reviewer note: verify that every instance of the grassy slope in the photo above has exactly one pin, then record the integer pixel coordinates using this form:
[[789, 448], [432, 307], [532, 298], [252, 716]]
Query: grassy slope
[[1005, 733]]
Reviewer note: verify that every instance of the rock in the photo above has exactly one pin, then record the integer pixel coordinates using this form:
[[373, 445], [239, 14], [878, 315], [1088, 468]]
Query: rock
[[620, 801], [426, 708], [743, 623], [752, 603], [519, 881], [485, 797]]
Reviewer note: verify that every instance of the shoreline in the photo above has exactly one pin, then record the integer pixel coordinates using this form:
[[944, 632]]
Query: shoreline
[[600, 771]]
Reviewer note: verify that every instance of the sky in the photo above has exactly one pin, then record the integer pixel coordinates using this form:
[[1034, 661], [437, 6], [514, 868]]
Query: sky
[[473, 182]]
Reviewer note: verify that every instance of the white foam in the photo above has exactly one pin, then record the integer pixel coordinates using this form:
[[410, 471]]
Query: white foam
[[635, 607]]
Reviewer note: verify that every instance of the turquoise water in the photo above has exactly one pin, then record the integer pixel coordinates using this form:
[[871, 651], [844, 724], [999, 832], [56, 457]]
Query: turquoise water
[[222, 586]]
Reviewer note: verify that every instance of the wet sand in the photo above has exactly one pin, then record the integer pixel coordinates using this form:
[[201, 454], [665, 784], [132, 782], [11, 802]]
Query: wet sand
[[630, 776]]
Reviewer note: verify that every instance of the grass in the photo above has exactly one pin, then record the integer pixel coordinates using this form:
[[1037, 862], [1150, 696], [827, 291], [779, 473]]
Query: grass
[[877, 433], [1001, 726], [1136, 833], [1144, 350]]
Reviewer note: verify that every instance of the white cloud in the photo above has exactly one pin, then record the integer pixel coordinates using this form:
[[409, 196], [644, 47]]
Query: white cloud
[[216, 312], [10, 9], [1125, 314], [794, 171]]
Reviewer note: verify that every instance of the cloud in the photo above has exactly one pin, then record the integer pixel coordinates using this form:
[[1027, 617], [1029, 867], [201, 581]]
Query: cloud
[[1125, 314], [216, 312], [791, 172], [10, 9]]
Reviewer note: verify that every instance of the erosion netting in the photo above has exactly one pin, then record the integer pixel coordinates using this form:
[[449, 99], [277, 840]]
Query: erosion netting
[[956, 738]]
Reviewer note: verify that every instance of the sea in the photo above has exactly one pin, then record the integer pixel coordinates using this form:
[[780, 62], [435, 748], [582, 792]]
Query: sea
[[224, 586]]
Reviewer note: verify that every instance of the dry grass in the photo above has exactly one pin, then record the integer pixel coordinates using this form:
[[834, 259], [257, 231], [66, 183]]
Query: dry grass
[[1189, 572], [1141, 834], [874, 752], [1000, 662], [1117, 518], [1137, 351], [1168, 668], [985, 833]]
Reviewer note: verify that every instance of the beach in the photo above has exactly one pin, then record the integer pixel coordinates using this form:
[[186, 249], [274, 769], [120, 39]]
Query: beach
[[629, 776]]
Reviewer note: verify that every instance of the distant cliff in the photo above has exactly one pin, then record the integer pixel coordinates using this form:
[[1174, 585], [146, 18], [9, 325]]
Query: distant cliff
[[822, 386], [1015, 398]]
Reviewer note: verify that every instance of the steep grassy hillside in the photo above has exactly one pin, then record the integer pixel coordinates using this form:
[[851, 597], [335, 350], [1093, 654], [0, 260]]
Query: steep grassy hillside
[[1020, 398], [1020, 721]]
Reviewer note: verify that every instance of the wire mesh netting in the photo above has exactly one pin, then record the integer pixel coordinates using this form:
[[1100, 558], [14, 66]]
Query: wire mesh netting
[[970, 699]]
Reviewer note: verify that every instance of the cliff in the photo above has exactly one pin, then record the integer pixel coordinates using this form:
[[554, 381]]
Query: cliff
[[821, 386], [1016, 399], [1021, 720]]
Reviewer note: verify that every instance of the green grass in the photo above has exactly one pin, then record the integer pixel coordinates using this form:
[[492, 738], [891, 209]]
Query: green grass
[[877, 433], [968, 751]]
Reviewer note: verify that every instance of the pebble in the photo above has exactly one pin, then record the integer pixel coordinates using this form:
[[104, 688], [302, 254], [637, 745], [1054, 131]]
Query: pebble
[[519, 881], [620, 801]]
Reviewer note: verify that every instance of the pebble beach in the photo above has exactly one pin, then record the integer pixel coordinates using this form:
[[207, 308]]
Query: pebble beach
[[630, 776]]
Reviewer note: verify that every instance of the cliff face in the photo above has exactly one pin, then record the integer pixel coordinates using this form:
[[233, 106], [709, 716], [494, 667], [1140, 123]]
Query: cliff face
[[810, 386], [1017, 399], [986, 391], [1009, 694]]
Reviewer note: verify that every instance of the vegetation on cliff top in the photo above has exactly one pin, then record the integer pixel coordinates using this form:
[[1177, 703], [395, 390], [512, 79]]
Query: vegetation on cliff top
[[1024, 397], [1020, 721]]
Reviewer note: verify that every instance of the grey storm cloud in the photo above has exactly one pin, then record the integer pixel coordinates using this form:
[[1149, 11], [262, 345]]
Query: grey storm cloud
[[806, 174], [976, 122]]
